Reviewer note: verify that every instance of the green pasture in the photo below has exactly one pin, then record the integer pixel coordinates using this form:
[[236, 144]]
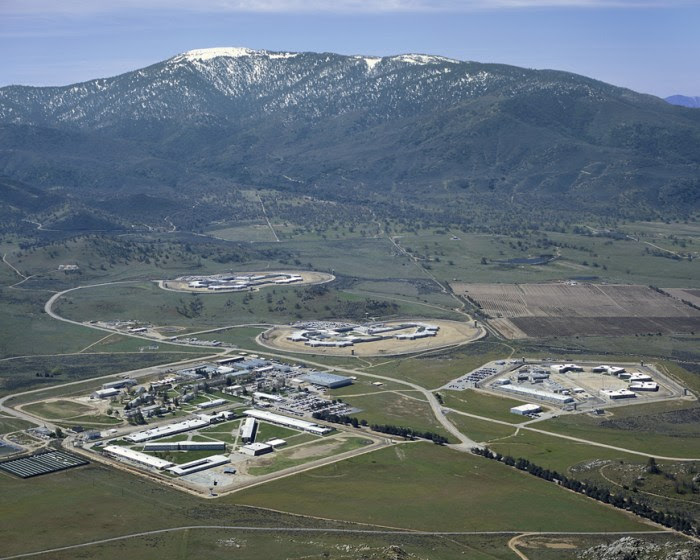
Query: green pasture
[[482, 404], [424, 486], [481, 431]]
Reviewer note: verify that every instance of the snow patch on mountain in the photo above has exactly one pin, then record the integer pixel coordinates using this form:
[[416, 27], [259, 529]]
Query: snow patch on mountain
[[422, 59], [208, 54], [371, 62]]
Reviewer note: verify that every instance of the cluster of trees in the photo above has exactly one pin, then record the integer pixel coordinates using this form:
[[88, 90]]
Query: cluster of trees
[[409, 433], [401, 431], [190, 309], [677, 521]]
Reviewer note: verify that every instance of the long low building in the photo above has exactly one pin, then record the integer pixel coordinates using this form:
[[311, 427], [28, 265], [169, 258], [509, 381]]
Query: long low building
[[525, 409], [329, 380], [255, 449], [137, 457], [616, 394], [198, 465], [537, 394], [169, 430], [287, 421], [185, 446], [644, 386], [248, 429], [212, 404], [267, 397]]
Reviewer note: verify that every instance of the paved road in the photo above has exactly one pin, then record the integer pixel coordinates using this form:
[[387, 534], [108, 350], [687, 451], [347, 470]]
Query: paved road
[[48, 309], [525, 426], [465, 444]]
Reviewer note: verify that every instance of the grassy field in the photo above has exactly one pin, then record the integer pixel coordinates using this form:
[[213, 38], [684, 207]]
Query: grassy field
[[437, 368], [8, 425], [280, 544], [58, 410], [286, 458], [182, 457], [482, 404], [146, 303], [26, 328], [238, 336], [667, 428], [97, 421], [555, 453], [423, 486], [23, 374], [96, 502], [480, 431], [625, 348], [250, 232], [397, 410], [269, 431], [613, 260]]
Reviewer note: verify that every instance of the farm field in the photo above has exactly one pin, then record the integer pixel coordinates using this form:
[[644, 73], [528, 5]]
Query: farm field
[[447, 490], [541, 310], [691, 295]]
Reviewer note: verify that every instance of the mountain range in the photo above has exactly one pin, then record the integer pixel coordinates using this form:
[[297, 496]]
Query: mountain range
[[401, 135], [684, 101]]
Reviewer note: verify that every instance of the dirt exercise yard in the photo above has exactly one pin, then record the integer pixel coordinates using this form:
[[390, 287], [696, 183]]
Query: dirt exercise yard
[[566, 309]]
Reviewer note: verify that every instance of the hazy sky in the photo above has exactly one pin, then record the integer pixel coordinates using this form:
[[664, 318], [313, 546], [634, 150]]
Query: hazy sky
[[651, 46]]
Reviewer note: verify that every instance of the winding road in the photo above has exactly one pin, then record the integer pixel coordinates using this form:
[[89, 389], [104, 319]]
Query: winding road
[[439, 411]]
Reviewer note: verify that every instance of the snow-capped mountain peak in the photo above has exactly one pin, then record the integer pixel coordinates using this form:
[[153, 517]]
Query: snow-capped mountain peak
[[227, 52]]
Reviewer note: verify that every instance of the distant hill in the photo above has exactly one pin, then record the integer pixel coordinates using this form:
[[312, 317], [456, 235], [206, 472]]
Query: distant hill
[[684, 101], [409, 135]]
